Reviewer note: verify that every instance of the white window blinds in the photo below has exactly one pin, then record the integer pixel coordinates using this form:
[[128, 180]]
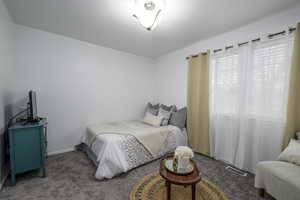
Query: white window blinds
[[269, 79], [225, 80]]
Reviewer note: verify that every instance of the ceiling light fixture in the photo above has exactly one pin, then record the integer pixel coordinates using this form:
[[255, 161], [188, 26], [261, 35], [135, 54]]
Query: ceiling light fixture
[[149, 12]]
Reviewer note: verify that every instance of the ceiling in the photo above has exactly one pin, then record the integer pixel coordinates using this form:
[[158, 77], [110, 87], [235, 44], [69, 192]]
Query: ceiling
[[109, 22]]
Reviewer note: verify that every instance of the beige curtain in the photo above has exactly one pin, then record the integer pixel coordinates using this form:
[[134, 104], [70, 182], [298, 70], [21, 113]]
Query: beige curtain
[[198, 103], [293, 112]]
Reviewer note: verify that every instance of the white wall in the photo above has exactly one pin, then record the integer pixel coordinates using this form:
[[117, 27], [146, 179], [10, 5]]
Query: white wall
[[78, 83], [6, 68], [171, 69]]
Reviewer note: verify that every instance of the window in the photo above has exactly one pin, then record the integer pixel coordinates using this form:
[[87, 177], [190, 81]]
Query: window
[[252, 80], [269, 80], [248, 94], [225, 80]]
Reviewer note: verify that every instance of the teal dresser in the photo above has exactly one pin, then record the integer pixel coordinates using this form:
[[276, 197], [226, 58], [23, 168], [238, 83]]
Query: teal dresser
[[27, 147]]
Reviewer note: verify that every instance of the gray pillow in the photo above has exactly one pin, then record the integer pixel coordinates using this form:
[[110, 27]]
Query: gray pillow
[[153, 109], [171, 108], [165, 112], [179, 118], [165, 115]]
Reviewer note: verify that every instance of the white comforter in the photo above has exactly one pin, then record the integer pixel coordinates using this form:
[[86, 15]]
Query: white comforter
[[152, 138], [119, 153]]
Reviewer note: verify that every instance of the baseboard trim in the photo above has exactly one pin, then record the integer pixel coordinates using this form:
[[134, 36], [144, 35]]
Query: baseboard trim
[[60, 151]]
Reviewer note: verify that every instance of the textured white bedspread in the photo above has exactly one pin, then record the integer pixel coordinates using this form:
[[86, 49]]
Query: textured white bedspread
[[149, 136], [119, 153]]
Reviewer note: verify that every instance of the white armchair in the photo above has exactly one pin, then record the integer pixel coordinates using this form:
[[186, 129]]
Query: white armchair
[[280, 179]]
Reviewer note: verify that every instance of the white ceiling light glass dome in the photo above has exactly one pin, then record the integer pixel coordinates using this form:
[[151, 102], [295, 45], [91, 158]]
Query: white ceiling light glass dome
[[149, 12]]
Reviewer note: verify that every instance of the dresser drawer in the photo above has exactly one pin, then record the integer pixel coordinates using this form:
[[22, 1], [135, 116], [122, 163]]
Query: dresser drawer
[[27, 149]]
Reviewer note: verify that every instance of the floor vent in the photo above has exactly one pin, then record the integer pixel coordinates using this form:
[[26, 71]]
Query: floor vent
[[236, 171]]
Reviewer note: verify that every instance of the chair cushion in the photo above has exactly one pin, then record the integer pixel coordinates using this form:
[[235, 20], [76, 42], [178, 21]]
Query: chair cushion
[[298, 135], [291, 153]]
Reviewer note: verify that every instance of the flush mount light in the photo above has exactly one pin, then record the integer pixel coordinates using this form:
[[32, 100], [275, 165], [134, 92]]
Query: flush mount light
[[149, 12]]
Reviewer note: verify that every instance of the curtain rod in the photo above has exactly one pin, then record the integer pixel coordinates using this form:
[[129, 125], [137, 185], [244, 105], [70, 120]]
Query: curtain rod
[[270, 36]]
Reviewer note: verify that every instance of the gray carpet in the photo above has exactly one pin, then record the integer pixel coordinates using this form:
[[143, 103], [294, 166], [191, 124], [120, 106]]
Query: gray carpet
[[71, 177]]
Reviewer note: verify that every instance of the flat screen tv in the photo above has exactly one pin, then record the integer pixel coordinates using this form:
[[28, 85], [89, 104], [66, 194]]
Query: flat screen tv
[[32, 110]]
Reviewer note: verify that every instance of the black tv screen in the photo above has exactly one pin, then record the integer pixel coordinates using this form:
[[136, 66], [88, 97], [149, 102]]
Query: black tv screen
[[32, 106]]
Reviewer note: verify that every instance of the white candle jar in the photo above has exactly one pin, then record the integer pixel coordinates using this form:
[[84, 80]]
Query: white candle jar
[[183, 162]]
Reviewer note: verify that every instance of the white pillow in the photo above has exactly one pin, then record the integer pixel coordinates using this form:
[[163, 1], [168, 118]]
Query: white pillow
[[292, 153], [152, 119]]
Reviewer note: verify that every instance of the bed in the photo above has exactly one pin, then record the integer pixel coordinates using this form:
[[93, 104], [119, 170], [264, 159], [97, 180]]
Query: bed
[[121, 146]]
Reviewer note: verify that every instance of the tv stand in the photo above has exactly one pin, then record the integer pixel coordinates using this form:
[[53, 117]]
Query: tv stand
[[27, 147]]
